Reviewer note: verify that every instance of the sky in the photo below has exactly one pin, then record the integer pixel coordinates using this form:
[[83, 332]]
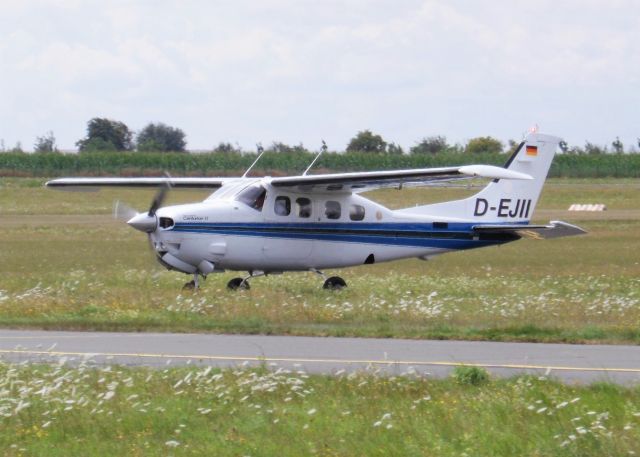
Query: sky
[[300, 71]]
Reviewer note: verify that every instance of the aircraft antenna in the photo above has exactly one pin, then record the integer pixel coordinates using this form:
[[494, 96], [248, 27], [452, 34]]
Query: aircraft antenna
[[322, 149], [260, 152]]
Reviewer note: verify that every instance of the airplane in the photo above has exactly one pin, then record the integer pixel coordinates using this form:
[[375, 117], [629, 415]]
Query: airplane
[[270, 225]]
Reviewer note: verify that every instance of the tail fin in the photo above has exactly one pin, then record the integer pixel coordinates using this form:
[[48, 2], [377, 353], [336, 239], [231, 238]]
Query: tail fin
[[503, 200]]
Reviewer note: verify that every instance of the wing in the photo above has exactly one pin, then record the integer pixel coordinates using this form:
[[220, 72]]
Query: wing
[[555, 229], [92, 183], [363, 181]]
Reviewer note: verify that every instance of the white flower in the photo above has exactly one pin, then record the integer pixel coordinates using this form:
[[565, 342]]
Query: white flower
[[312, 411], [172, 443]]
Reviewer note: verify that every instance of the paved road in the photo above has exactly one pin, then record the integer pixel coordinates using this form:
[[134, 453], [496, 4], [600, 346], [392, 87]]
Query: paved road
[[571, 363]]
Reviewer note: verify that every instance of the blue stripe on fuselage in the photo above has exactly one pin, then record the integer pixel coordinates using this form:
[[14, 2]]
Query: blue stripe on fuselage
[[455, 236]]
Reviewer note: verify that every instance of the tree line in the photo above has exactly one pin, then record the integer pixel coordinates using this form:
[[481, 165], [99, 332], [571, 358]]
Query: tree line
[[108, 135]]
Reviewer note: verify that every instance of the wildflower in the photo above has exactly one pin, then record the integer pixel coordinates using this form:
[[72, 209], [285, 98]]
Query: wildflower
[[311, 412], [172, 443]]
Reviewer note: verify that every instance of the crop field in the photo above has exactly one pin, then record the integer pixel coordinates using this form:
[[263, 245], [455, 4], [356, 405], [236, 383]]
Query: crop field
[[87, 410], [66, 264]]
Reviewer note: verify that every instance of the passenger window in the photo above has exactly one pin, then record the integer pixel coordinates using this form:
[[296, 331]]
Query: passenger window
[[253, 196], [282, 206], [332, 210], [356, 212], [303, 207]]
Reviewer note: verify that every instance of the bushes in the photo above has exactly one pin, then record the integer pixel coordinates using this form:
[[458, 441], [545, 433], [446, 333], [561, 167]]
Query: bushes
[[283, 163], [473, 376]]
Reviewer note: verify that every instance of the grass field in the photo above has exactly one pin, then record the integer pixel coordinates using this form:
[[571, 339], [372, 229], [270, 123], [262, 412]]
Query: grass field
[[62, 411], [65, 264]]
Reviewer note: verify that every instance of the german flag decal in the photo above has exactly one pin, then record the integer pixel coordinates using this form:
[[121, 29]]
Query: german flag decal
[[532, 150]]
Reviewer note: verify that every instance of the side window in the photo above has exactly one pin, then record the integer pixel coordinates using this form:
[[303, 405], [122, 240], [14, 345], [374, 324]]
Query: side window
[[282, 206], [253, 196], [356, 212], [303, 207], [332, 210]]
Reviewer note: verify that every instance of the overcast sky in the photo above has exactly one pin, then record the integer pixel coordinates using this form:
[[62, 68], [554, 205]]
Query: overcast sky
[[300, 71]]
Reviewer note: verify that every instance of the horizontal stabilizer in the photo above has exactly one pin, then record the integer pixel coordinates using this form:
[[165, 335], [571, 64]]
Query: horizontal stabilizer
[[555, 229]]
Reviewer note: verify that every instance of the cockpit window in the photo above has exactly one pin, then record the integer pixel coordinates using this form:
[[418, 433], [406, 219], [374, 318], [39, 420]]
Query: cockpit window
[[253, 196]]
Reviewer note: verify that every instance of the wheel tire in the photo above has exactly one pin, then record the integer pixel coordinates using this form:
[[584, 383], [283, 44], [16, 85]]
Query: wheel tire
[[334, 283], [238, 283], [191, 285]]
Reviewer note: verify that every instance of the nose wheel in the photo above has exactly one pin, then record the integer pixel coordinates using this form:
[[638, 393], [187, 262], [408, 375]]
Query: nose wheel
[[194, 284]]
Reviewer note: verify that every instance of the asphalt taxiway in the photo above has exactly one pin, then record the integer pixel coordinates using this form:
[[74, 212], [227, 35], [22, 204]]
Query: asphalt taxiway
[[567, 362]]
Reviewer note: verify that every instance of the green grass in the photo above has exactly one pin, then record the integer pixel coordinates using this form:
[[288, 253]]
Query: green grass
[[63, 268], [61, 411]]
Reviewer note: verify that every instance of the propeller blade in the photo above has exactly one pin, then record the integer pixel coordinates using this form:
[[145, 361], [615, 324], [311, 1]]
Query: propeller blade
[[123, 212], [159, 197]]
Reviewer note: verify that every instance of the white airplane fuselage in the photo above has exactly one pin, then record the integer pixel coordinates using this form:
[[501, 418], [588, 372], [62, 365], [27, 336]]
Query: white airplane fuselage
[[295, 231]]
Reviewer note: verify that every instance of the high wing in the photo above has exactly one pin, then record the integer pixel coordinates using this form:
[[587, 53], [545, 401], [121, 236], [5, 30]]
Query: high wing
[[363, 181], [91, 183], [555, 229]]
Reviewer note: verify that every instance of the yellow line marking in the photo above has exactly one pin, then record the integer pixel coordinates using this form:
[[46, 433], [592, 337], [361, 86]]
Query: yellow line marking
[[312, 360], [47, 337]]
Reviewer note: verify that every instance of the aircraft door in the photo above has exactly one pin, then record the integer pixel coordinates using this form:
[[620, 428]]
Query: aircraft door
[[285, 217]]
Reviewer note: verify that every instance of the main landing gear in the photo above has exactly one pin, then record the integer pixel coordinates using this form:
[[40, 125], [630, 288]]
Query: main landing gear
[[243, 283], [334, 283], [238, 283], [331, 283]]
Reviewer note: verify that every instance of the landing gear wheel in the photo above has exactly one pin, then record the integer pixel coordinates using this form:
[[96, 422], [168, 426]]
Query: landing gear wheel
[[238, 283], [191, 285], [334, 283]]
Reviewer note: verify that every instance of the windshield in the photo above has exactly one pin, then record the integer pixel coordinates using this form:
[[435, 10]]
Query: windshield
[[253, 196]]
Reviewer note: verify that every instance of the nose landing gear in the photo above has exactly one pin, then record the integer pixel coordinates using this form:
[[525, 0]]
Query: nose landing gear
[[194, 284]]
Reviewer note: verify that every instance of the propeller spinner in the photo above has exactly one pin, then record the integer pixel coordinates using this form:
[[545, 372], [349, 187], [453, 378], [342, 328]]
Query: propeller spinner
[[145, 222]]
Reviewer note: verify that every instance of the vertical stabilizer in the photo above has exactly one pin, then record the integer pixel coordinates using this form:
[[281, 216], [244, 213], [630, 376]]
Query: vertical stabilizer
[[503, 200]]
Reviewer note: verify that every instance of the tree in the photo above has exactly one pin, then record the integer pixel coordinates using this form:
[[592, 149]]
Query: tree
[[617, 146], [45, 143], [283, 148], [106, 135], [227, 148], [17, 148], [430, 145], [160, 138], [394, 149], [365, 141], [594, 149], [483, 145]]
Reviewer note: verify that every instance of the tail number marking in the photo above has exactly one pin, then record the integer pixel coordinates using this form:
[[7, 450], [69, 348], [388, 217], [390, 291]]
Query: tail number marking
[[506, 207]]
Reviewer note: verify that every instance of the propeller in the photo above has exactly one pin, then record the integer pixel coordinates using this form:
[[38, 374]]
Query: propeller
[[145, 222]]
